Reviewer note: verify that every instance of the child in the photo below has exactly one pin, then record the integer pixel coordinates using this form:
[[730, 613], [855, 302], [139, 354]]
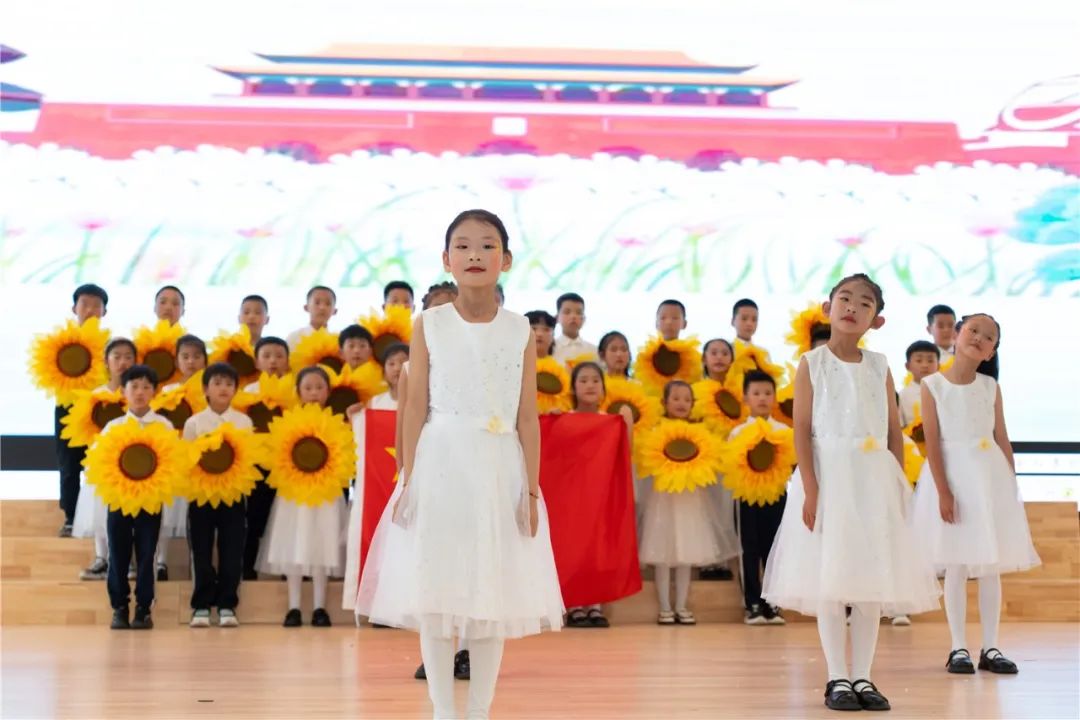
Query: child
[[398, 292], [922, 361], [543, 329], [464, 548], [255, 313], [271, 357], [91, 514], [393, 360], [216, 588], [843, 540], [169, 304], [88, 301], [758, 523], [321, 305], [680, 530], [968, 511], [356, 345], [716, 358], [141, 531], [304, 539], [570, 345], [941, 325], [440, 294], [820, 336], [744, 318], [670, 319], [190, 359], [614, 351]]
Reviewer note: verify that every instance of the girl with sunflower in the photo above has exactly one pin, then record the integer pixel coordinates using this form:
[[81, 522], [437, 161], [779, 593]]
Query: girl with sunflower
[[614, 352]]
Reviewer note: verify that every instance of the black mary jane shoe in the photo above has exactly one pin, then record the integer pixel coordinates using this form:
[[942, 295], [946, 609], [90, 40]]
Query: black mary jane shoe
[[959, 663], [320, 618], [596, 619], [293, 618], [421, 673], [840, 695], [995, 662], [869, 697], [462, 666], [577, 618]]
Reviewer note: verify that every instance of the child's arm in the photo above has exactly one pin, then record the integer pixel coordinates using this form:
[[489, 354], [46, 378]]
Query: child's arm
[[802, 415], [628, 416], [932, 434], [896, 436], [528, 427], [399, 421], [416, 408], [1001, 434]]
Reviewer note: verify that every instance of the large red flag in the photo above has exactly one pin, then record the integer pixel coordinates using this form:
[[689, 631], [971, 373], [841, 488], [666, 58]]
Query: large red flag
[[587, 482], [380, 473]]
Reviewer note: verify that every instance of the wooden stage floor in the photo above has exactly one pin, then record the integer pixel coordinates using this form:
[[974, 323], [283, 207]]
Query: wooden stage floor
[[635, 671]]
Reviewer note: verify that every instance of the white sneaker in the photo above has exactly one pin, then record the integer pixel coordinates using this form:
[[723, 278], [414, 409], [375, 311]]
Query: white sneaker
[[666, 617], [200, 619], [227, 618], [901, 621], [98, 570]]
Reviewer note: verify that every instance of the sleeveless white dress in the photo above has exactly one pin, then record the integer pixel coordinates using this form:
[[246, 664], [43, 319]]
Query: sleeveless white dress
[[460, 564], [861, 549], [990, 535]]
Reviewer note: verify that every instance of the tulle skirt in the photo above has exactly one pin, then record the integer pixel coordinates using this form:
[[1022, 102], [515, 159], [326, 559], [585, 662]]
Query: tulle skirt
[[687, 528], [91, 513], [303, 538]]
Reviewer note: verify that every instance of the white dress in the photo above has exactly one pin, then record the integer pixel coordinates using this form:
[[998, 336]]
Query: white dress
[[91, 513], [990, 535], [861, 550], [460, 564]]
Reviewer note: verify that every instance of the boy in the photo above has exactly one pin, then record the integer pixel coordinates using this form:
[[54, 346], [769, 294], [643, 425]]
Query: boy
[[271, 357], [758, 524], [543, 327], [569, 345], [356, 346], [169, 304], [922, 360], [440, 294], [941, 325], [88, 301], [321, 305], [216, 589], [139, 532], [744, 318], [670, 319], [255, 313], [398, 292]]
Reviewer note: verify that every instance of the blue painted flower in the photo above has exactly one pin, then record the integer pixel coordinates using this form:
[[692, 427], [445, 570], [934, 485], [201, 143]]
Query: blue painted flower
[[1054, 219]]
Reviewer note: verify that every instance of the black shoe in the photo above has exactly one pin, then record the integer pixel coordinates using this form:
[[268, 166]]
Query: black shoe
[[142, 620], [577, 618], [724, 574], [869, 697], [709, 573], [293, 619], [959, 663], [420, 673], [120, 619], [597, 619], [65, 530], [250, 575], [320, 618], [377, 626], [840, 695], [462, 667], [162, 573], [995, 662]]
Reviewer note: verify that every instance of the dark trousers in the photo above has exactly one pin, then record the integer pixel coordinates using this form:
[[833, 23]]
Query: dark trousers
[[69, 460], [216, 588], [757, 530], [125, 533], [259, 503]]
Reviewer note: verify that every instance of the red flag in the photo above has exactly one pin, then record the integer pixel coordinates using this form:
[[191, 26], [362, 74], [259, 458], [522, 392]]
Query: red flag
[[380, 472], [588, 487]]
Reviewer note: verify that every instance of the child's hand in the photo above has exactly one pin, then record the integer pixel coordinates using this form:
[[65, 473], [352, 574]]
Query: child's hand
[[534, 516], [947, 506], [350, 412], [809, 508]]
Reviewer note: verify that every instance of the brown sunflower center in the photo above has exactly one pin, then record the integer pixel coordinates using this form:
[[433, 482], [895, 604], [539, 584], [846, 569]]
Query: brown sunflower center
[[333, 362], [73, 360], [138, 461], [681, 450], [180, 414], [787, 407], [728, 404], [666, 361], [310, 454], [218, 461], [241, 362], [761, 456], [261, 416], [548, 383], [341, 398], [616, 407], [162, 362], [383, 343], [917, 434], [105, 412]]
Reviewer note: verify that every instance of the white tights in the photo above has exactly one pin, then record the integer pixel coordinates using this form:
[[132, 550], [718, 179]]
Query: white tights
[[295, 582], [485, 657], [832, 624], [956, 606], [663, 586]]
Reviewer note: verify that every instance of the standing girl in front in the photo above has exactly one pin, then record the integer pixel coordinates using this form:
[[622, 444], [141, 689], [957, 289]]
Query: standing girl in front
[[716, 359], [463, 549], [843, 540], [967, 508]]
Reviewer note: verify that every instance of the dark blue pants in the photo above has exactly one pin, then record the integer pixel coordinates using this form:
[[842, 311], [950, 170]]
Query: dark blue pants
[[126, 533], [258, 505], [216, 588], [69, 461], [757, 530]]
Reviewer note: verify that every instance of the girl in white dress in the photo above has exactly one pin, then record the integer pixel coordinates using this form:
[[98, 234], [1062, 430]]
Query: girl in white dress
[[967, 510], [464, 548], [717, 355], [843, 540]]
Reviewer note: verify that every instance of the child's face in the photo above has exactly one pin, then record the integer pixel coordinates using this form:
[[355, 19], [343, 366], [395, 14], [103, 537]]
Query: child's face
[[313, 389], [544, 337], [943, 330], [922, 364], [441, 298], [760, 397], [717, 358], [977, 338], [88, 306], [399, 296], [139, 393], [589, 388], [475, 257], [670, 321], [220, 391], [168, 305], [272, 359], [392, 368], [119, 359], [253, 314], [571, 318], [617, 356], [745, 323], [355, 352], [679, 403], [853, 310], [320, 308], [190, 359]]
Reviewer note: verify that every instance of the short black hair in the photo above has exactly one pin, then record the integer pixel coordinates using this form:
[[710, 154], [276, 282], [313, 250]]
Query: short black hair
[[578, 369], [672, 384], [939, 310], [744, 302], [821, 332], [879, 296], [220, 369], [541, 317], [271, 340], [397, 285], [317, 288], [568, 297], [92, 290], [483, 216], [754, 376], [139, 372], [258, 299], [395, 349], [118, 342], [355, 332], [436, 289], [312, 370], [191, 340], [923, 346], [672, 303], [178, 291]]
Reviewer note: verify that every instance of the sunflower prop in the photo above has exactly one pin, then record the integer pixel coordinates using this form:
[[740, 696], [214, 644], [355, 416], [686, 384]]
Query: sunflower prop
[[750, 357], [355, 385], [914, 430], [803, 327], [69, 360], [758, 462], [913, 461], [275, 396], [226, 469], [89, 415], [312, 455], [236, 350], [136, 468], [680, 456], [156, 347], [577, 360], [552, 386], [620, 392], [720, 404], [661, 361], [318, 348], [181, 402], [394, 326]]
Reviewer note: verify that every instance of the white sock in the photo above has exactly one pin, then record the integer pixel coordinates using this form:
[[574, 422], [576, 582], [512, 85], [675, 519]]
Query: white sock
[[865, 622], [295, 581], [956, 603], [485, 657], [597, 606], [101, 546], [318, 587], [438, 656], [990, 609], [682, 587], [662, 577], [832, 628]]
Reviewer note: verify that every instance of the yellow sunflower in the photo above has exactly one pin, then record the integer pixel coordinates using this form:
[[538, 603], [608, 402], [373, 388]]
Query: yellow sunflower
[[355, 385], [552, 386], [312, 455], [803, 327], [89, 414], [156, 347], [69, 359], [661, 361], [620, 391], [758, 462], [784, 411], [679, 456], [393, 326], [750, 357], [318, 348], [181, 402], [227, 468], [914, 430], [275, 396], [913, 461], [720, 404], [582, 358], [236, 350], [138, 468]]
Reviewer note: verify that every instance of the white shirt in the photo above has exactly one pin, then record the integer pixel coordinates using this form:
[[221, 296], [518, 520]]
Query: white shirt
[[252, 388], [383, 401], [567, 349], [771, 420], [909, 396], [147, 419], [207, 421], [945, 353]]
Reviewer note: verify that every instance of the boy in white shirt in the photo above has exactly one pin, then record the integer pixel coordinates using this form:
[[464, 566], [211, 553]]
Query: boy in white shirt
[[923, 358], [321, 305], [941, 325], [570, 308]]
